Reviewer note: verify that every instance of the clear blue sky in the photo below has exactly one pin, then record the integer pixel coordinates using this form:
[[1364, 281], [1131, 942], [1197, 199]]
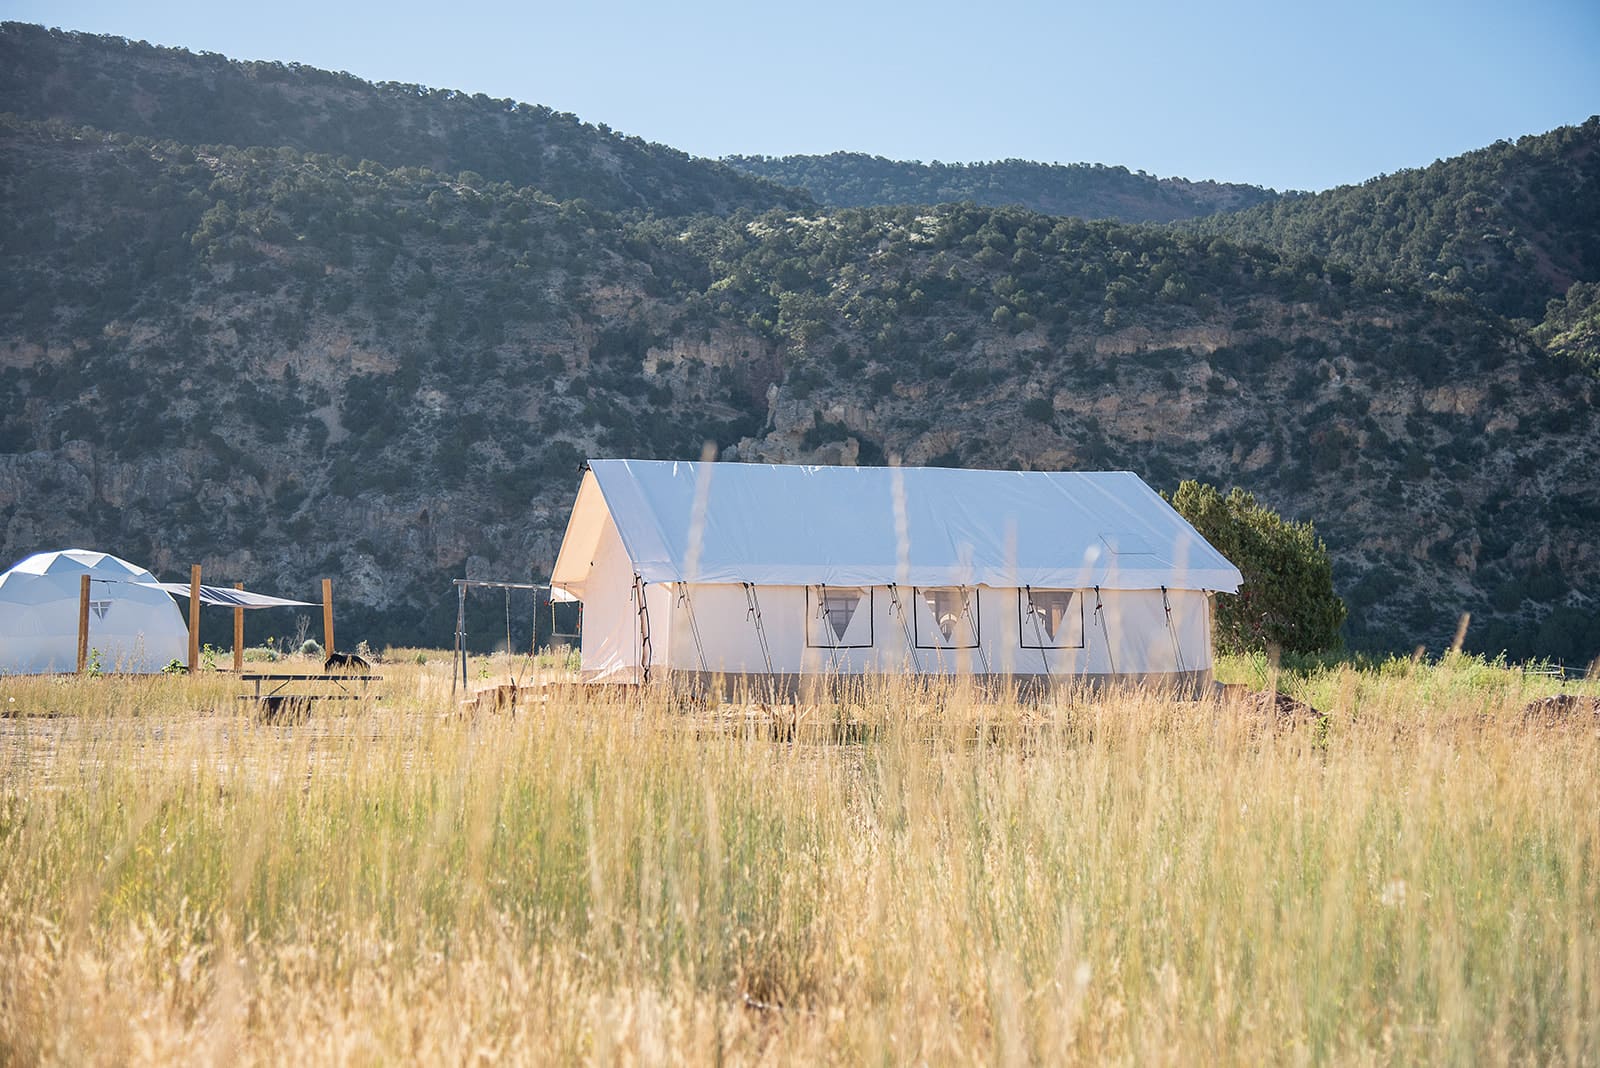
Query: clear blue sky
[[1291, 95]]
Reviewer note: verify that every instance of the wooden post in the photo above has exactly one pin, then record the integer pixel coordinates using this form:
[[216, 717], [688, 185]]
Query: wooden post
[[194, 618], [327, 617], [83, 624], [238, 635]]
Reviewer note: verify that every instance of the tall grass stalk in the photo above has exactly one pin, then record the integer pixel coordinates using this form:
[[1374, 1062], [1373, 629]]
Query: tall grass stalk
[[602, 878]]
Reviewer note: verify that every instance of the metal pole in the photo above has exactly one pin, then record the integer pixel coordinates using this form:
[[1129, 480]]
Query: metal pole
[[238, 635], [461, 637]]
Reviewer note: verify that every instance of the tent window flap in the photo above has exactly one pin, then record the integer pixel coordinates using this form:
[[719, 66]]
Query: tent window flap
[[946, 618], [839, 617], [1050, 619]]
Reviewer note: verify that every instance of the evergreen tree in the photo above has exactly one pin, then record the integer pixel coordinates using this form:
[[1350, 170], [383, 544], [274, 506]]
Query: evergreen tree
[[1287, 598]]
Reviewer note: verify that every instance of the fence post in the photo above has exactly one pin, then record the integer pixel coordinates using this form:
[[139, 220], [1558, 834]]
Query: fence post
[[83, 624], [194, 618], [327, 617]]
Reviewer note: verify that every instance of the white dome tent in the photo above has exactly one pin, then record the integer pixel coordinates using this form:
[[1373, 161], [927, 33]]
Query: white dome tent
[[134, 627]]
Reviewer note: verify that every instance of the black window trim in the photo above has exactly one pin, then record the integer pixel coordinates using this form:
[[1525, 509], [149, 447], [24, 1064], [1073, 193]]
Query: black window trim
[[872, 621], [974, 626], [1026, 629]]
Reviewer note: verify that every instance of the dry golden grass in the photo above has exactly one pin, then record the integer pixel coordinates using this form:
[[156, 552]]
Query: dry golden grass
[[1133, 879]]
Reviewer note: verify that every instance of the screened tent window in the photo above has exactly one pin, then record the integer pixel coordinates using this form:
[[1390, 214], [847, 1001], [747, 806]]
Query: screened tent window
[[1051, 619], [947, 618], [839, 617]]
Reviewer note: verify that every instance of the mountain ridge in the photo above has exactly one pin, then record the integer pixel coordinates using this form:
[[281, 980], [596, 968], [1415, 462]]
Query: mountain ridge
[[1512, 225], [283, 365], [152, 91], [856, 179]]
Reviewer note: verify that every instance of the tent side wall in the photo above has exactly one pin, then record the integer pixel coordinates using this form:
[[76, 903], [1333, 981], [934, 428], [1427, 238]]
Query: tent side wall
[[1131, 635], [53, 647], [609, 650], [612, 646]]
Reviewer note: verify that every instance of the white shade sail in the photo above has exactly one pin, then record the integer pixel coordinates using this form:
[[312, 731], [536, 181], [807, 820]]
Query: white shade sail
[[225, 595]]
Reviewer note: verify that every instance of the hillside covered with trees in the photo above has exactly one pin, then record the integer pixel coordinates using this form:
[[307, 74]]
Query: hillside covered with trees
[[1510, 226], [203, 98], [1088, 191], [285, 364]]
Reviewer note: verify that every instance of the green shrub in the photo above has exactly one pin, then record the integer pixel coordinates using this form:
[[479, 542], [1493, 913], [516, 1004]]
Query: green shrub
[[1287, 598], [1040, 409]]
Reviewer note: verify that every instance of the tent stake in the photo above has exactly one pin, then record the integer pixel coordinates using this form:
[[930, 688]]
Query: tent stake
[[83, 624], [194, 618]]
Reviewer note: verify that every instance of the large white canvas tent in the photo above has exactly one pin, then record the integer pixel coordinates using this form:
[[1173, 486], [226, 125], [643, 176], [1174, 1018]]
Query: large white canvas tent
[[785, 572], [134, 626]]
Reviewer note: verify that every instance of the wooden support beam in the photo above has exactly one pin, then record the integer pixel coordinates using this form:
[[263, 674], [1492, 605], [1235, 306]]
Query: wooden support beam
[[83, 624], [194, 618], [238, 635], [327, 617]]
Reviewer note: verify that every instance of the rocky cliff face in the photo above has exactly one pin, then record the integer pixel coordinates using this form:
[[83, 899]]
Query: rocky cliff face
[[1436, 498]]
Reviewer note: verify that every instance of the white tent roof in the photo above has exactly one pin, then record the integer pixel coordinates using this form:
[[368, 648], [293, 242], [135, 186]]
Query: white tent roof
[[860, 526], [20, 588]]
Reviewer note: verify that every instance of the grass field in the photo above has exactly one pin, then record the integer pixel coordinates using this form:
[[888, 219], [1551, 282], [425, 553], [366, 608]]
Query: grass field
[[1133, 879]]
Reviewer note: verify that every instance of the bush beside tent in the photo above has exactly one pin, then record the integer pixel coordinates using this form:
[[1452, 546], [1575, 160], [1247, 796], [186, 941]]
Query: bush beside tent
[[1287, 598]]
